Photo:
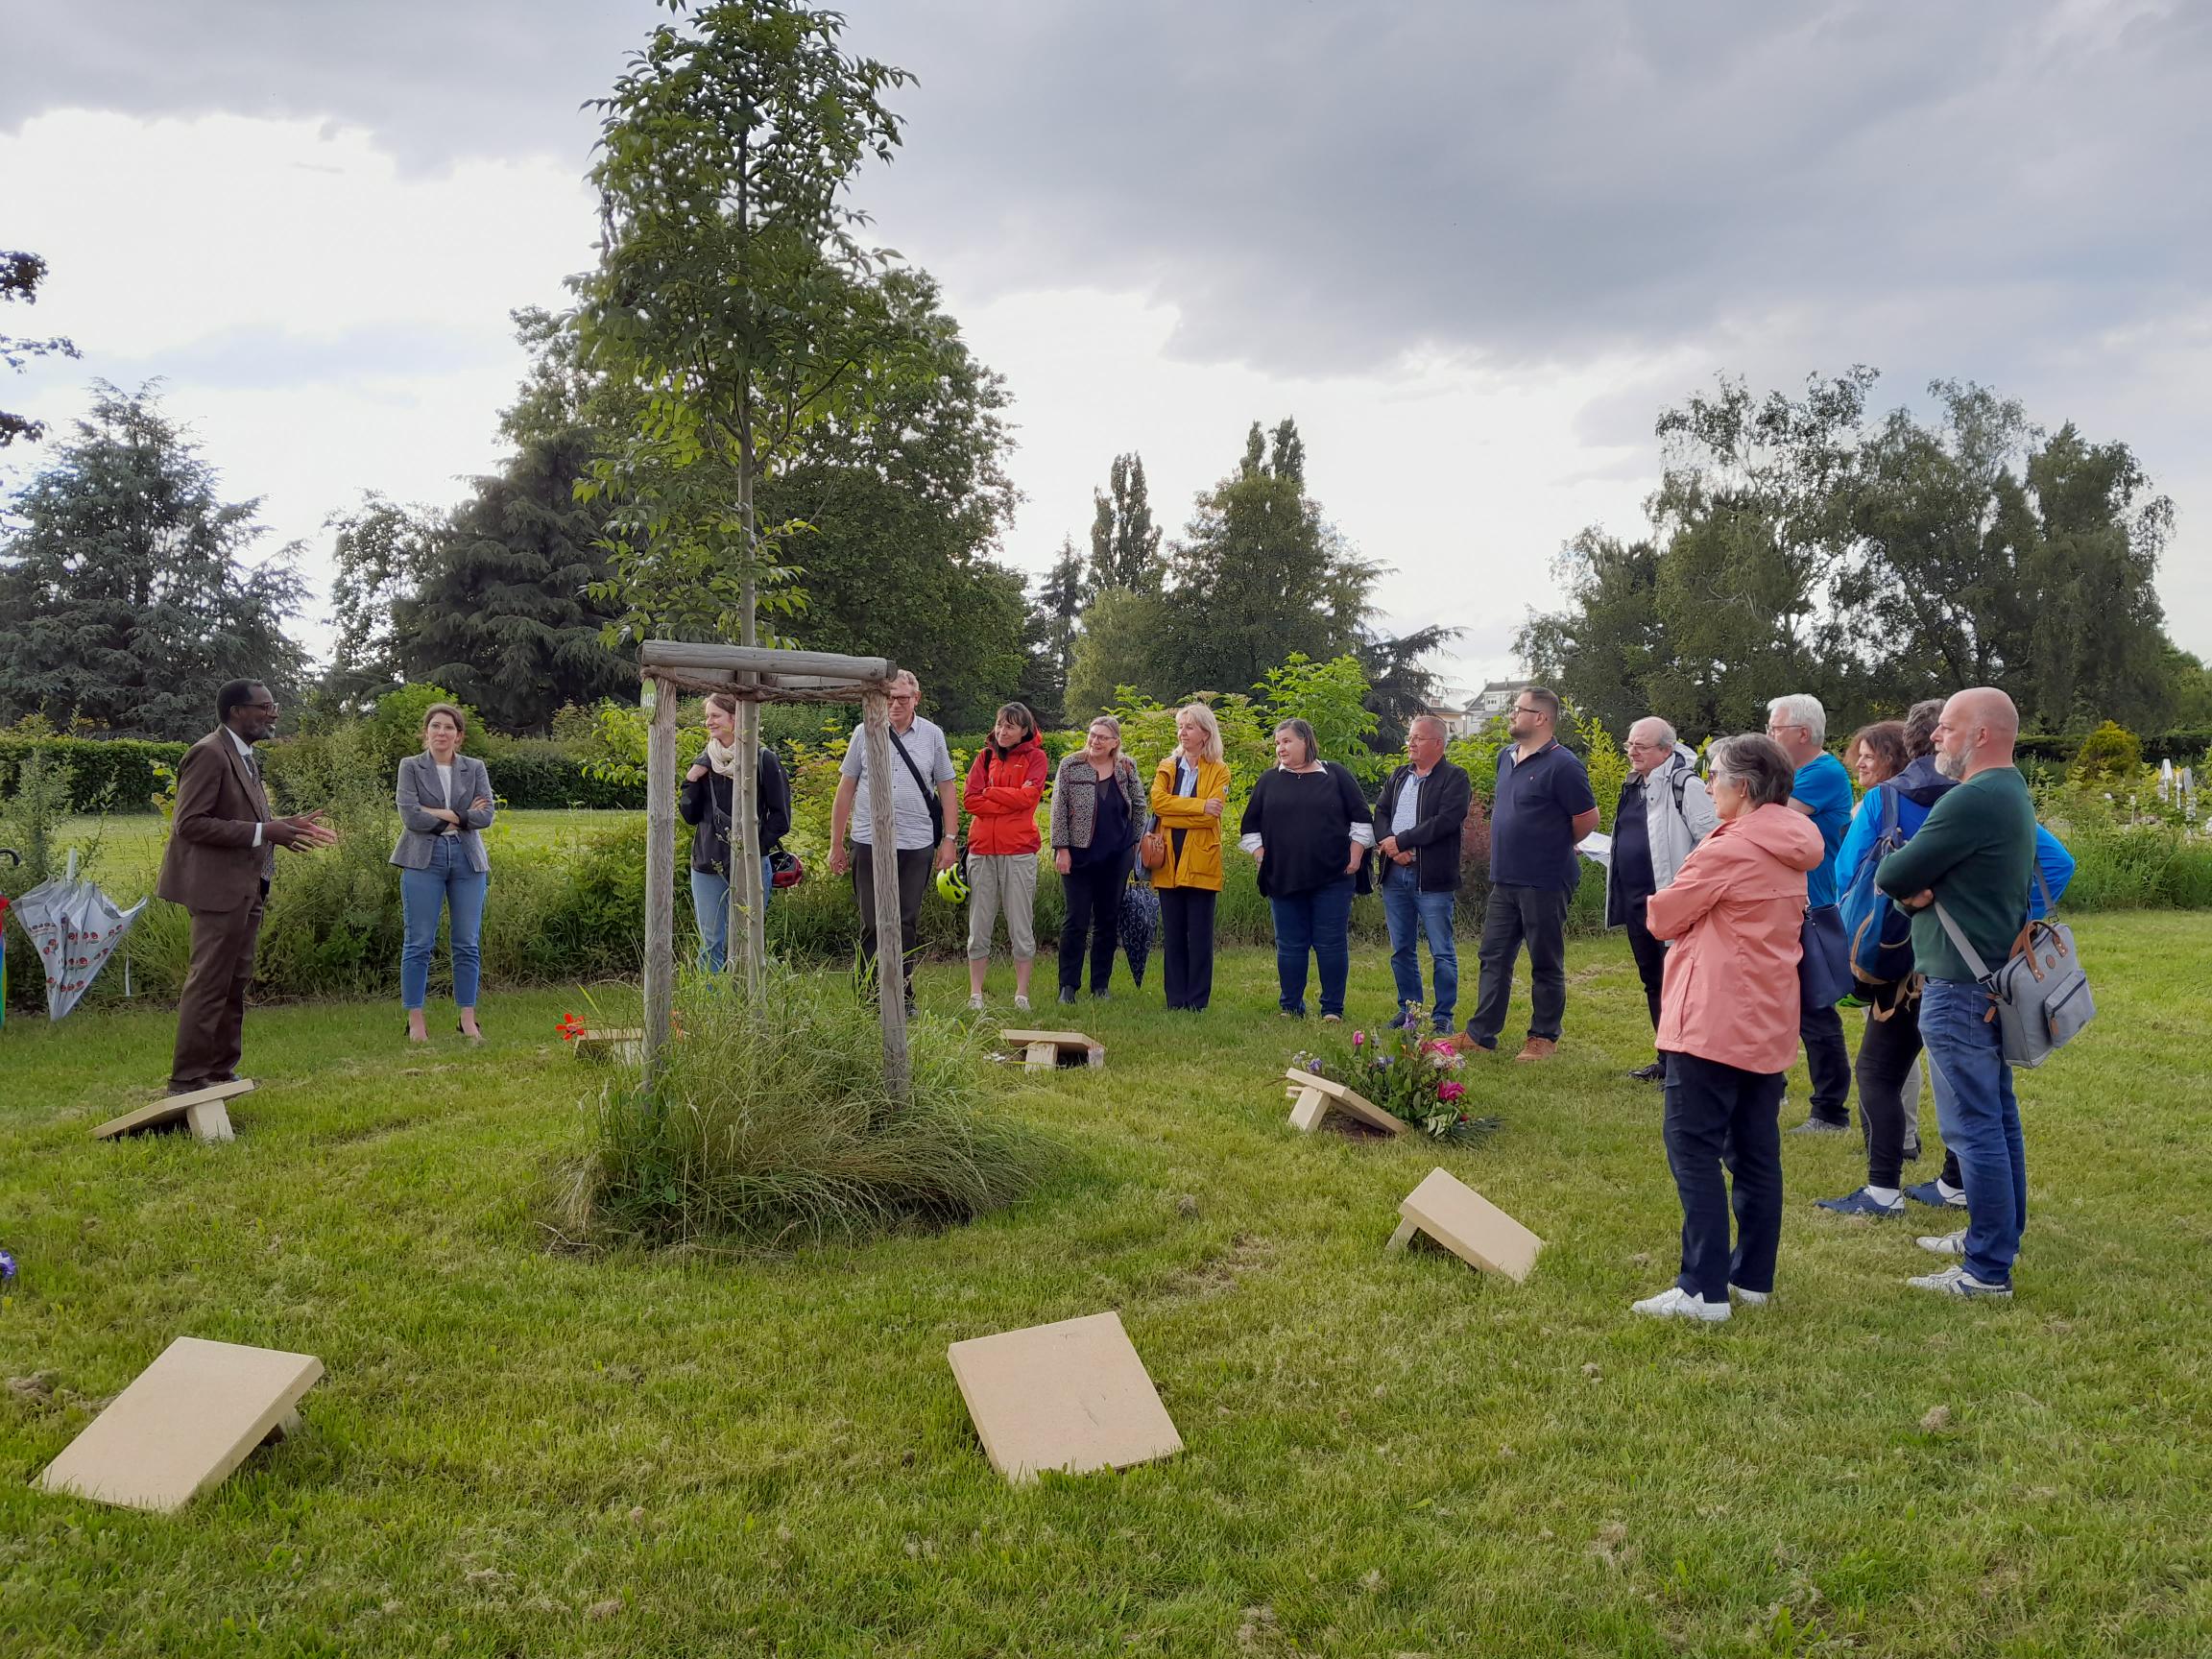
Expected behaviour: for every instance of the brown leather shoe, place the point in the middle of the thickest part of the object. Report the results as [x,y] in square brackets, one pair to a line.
[1537,1048]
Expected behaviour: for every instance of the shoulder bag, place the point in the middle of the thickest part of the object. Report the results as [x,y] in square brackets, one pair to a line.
[2040,995]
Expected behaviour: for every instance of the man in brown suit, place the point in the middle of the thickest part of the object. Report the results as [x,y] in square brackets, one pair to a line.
[221,843]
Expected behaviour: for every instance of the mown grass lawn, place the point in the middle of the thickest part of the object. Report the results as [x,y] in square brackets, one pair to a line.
[131,843]
[521,1452]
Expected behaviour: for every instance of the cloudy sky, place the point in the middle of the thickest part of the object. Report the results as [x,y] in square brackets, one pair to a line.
[1473,248]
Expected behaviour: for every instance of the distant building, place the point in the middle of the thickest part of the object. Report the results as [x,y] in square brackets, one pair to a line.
[1492,701]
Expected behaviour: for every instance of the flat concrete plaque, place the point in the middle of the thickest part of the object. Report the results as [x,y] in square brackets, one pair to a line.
[1468,1225]
[202,1112]
[1071,1396]
[1318,1097]
[189,1419]
[1043,1048]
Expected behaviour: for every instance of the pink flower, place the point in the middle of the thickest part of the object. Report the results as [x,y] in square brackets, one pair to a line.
[1359,1038]
[1450,1092]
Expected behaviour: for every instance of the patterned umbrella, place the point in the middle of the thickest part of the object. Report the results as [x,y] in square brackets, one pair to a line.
[76,928]
[1140,917]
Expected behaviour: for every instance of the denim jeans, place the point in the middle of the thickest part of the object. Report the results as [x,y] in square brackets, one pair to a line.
[449,885]
[1719,1115]
[1318,920]
[1981,1123]
[1413,913]
[710,905]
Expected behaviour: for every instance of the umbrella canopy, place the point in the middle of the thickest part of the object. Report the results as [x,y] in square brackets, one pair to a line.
[76,928]
[1140,918]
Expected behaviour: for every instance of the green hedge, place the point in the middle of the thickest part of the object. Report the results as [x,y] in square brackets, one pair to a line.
[107,773]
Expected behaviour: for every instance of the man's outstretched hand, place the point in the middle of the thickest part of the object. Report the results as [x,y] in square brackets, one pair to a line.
[302,833]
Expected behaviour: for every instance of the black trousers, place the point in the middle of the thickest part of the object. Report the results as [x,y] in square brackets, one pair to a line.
[1719,1116]
[1093,913]
[1886,1053]
[1538,915]
[1651,954]
[913,881]
[1828,1058]
[1186,945]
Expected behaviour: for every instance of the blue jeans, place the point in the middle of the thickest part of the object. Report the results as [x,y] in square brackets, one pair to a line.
[1413,913]
[1981,1123]
[450,885]
[711,905]
[1319,921]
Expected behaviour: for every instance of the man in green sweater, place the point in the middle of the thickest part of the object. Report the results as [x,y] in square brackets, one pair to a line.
[1976,857]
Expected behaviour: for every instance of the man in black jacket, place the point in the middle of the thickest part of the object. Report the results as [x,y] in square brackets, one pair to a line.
[1417,826]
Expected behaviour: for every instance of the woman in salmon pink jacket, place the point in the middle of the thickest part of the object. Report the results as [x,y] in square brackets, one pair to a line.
[1728,1024]
[1004,787]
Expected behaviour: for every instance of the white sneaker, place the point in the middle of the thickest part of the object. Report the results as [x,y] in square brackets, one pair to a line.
[1750,1298]
[1943,1243]
[975,1004]
[1022,1005]
[1957,1282]
[1676,1303]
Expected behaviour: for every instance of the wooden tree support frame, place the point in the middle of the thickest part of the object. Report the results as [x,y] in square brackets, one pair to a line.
[1042,1051]
[756,674]
[202,1112]
[1318,1098]
[1467,1224]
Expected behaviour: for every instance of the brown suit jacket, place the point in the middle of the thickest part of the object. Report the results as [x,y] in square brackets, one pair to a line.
[212,862]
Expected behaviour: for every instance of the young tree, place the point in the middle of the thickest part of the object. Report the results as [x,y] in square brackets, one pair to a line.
[379,551]
[126,588]
[20,275]
[733,302]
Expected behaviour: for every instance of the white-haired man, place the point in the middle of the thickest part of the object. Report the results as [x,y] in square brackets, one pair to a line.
[1665,811]
[926,815]
[1823,793]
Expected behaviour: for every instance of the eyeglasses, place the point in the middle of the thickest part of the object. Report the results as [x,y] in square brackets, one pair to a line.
[260,708]
[1523,709]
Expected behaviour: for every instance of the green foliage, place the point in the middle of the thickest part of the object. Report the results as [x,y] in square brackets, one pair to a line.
[104,774]
[1124,541]
[1114,650]
[20,275]
[2109,754]
[125,586]
[1603,756]
[771,1127]
[1331,697]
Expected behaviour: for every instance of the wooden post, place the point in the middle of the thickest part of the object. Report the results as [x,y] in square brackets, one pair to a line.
[659,871]
[747,899]
[890,941]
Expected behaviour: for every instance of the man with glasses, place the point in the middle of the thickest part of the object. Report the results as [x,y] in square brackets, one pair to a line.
[1823,793]
[222,845]
[925,816]
[1665,811]
[1541,811]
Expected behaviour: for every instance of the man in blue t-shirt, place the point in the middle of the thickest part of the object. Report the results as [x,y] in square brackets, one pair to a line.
[1823,793]
[1541,811]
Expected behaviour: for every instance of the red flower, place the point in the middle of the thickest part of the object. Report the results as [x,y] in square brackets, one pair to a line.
[570,1028]
[1450,1092]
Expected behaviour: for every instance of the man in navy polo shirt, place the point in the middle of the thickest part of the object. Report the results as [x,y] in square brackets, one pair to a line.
[1541,811]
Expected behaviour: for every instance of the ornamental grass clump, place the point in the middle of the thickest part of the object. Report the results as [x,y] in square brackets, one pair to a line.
[770,1127]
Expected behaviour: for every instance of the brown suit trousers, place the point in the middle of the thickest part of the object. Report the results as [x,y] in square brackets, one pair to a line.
[213,869]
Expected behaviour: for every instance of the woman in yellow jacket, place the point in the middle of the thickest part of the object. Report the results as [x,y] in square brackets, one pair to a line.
[1189,792]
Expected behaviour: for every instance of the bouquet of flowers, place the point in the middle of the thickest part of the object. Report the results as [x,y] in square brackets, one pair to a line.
[1412,1075]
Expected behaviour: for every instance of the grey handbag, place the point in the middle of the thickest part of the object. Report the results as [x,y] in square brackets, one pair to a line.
[2041,994]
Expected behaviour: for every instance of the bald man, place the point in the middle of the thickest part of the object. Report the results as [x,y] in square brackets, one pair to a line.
[1975,856]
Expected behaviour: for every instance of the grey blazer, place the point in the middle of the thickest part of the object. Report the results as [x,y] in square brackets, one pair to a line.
[419,788]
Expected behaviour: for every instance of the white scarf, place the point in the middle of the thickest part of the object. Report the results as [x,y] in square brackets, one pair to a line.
[722,757]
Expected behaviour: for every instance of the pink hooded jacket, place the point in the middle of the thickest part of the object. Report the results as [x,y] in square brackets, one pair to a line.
[1735,913]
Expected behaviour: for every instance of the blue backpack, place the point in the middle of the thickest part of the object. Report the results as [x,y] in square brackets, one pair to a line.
[1879,931]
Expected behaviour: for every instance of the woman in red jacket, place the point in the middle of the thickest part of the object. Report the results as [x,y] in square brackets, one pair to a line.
[1728,1024]
[1004,789]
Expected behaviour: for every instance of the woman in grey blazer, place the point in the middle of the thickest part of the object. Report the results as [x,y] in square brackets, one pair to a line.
[444,799]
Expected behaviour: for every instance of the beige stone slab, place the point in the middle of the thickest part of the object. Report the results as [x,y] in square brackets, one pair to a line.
[186,1422]
[612,1045]
[1468,1225]
[1335,1097]
[1072,1396]
[202,1110]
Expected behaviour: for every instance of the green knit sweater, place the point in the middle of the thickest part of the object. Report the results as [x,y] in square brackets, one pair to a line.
[1977,851]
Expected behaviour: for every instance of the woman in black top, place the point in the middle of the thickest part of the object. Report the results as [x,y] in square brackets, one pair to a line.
[709,788]
[1308,825]
[1098,814]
